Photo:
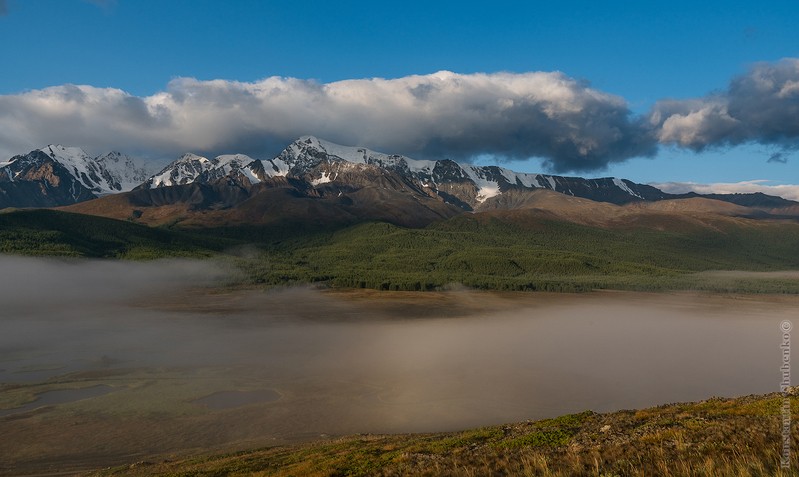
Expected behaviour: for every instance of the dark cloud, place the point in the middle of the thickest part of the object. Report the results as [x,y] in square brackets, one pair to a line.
[3,7]
[779,157]
[761,106]
[571,127]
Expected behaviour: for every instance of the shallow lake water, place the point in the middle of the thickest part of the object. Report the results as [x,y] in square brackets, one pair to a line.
[196,368]
[60,396]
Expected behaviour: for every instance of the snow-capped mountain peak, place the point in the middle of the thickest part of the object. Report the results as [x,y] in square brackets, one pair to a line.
[184,170]
[472,184]
[190,168]
[70,154]
[110,173]
[57,175]
[309,151]
[323,164]
[121,172]
[232,161]
[73,158]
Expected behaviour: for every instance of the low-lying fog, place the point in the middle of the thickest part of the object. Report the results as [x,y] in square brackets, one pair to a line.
[333,363]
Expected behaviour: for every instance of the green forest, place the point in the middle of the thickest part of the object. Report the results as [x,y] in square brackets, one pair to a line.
[471,251]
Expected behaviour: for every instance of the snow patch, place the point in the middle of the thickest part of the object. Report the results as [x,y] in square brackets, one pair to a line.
[621,185]
[527,180]
[322,180]
[417,166]
[248,173]
[282,167]
[485,188]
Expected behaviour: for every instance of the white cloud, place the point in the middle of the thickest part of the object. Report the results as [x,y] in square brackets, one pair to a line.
[516,116]
[546,115]
[696,126]
[786,191]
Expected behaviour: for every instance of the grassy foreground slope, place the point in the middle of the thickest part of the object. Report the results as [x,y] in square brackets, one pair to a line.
[717,437]
[481,251]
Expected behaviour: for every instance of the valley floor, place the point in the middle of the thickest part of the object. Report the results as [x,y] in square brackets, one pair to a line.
[141,373]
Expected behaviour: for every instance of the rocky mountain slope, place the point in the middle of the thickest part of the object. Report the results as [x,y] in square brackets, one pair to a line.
[467,186]
[316,181]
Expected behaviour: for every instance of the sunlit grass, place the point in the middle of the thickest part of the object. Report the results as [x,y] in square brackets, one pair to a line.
[718,437]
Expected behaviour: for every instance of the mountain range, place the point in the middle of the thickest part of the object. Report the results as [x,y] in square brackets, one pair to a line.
[317,181]
[57,175]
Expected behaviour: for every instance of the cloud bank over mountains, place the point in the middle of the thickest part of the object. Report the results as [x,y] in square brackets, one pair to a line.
[548,115]
[761,106]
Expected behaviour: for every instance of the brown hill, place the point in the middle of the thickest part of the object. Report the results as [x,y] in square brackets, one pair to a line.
[697,205]
[530,207]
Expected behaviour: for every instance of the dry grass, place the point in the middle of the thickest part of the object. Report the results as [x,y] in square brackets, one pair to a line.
[717,437]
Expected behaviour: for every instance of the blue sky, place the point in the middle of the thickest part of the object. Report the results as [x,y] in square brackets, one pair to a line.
[642,52]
